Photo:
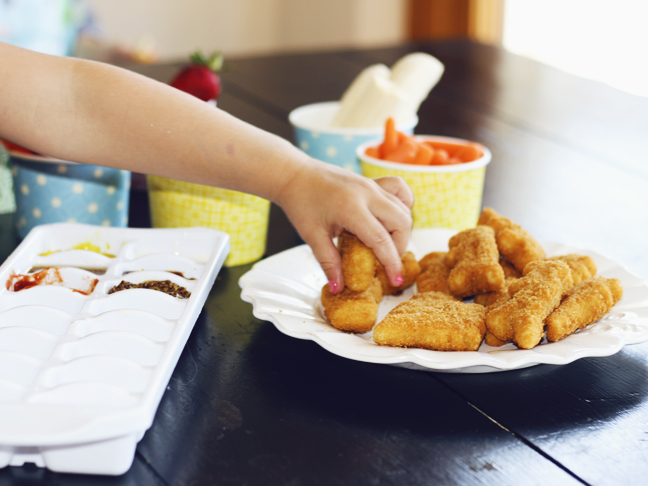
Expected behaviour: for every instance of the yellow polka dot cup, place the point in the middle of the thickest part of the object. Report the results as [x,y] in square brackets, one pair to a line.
[314,135]
[177,204]
[55,191]
[445,196]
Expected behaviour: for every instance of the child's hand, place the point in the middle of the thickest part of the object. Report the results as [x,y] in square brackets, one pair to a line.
[321,200]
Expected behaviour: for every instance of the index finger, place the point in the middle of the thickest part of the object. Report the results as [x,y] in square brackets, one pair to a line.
[377,237]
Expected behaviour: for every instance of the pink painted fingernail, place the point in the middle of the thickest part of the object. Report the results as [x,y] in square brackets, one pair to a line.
[333,286]
[399,280]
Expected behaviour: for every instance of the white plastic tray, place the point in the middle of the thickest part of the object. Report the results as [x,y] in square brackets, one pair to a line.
[82,376]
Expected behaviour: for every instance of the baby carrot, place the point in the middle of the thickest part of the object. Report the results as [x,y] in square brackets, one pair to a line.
[450,148]
[468,153]
[373,152]
[440,157]
[405,152]
[424,155]
[391,138]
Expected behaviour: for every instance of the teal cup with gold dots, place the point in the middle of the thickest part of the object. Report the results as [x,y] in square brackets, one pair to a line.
[314,134]
[54,191]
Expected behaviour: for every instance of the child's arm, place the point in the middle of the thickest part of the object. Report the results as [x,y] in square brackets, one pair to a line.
[99,114]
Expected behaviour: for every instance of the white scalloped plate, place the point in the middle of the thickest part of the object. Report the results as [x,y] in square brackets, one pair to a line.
[285,290]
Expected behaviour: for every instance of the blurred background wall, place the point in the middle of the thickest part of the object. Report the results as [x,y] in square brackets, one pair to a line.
[248,27]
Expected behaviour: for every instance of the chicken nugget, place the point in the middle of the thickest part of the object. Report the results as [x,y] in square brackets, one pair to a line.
[509,269]
[433,295]
[513,242]
[358,262]
[533,297]
[474,259]
[434,273]
[494,298]
[352,311]
[411,270]
[587,303]
[582,266]
[491,340]
[433,323]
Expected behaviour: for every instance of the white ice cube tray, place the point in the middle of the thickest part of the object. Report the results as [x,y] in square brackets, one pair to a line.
[81,376]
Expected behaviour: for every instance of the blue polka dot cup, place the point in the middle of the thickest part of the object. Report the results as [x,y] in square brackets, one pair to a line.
[315,136]
[53,191]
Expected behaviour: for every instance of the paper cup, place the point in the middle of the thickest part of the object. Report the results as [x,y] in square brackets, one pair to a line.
[177,204]
[54,191]
[445,196]
[7,200]
[315,136]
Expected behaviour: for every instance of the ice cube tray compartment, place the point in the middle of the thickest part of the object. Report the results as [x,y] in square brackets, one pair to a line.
[157,302]
[46,319]
[84,373]
[118,372]
[140,277]
[121,344]
[18,369]
[28,341]
[10,392]
[142,323]
[94,394]
[80,258]
[189,269]
[195,250]
[55,297]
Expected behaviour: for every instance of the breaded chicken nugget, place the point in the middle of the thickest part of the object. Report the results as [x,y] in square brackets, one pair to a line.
[514,243]
[433,323]
[587,303]
[582,266]
[494,298]
[358,262]
[509,269]
[474,259]
[491,340]
[411,270]
[352,311]
[533,298]
[434,273]
[433,295]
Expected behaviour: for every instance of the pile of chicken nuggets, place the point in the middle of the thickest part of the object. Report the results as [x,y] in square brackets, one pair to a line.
[520,296]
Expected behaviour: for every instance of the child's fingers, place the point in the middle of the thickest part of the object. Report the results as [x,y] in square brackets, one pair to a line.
[329,259]
[376,236]
[397,187]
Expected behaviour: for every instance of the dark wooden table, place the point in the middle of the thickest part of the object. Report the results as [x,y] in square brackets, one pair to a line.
[248,405]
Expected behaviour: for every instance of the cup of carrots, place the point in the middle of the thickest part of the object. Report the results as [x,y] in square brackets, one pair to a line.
[446,174]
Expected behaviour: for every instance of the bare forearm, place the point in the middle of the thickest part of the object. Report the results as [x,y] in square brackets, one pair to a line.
[98,114]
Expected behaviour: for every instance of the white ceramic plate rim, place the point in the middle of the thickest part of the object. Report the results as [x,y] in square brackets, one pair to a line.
[285,289]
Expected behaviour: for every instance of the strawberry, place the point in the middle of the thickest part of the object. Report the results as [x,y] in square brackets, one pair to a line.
[200,78]
[12,147]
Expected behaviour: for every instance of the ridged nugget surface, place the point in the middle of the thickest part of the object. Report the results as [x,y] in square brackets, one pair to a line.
[474,260]
[411,270]
[434,273]
[494,298]
[439,324]
[582,266]
[533,297]
[514,242]
[587,303]
[352,311]
[358,262]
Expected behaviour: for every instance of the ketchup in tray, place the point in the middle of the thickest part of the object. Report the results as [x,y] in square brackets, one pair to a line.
[47,276]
